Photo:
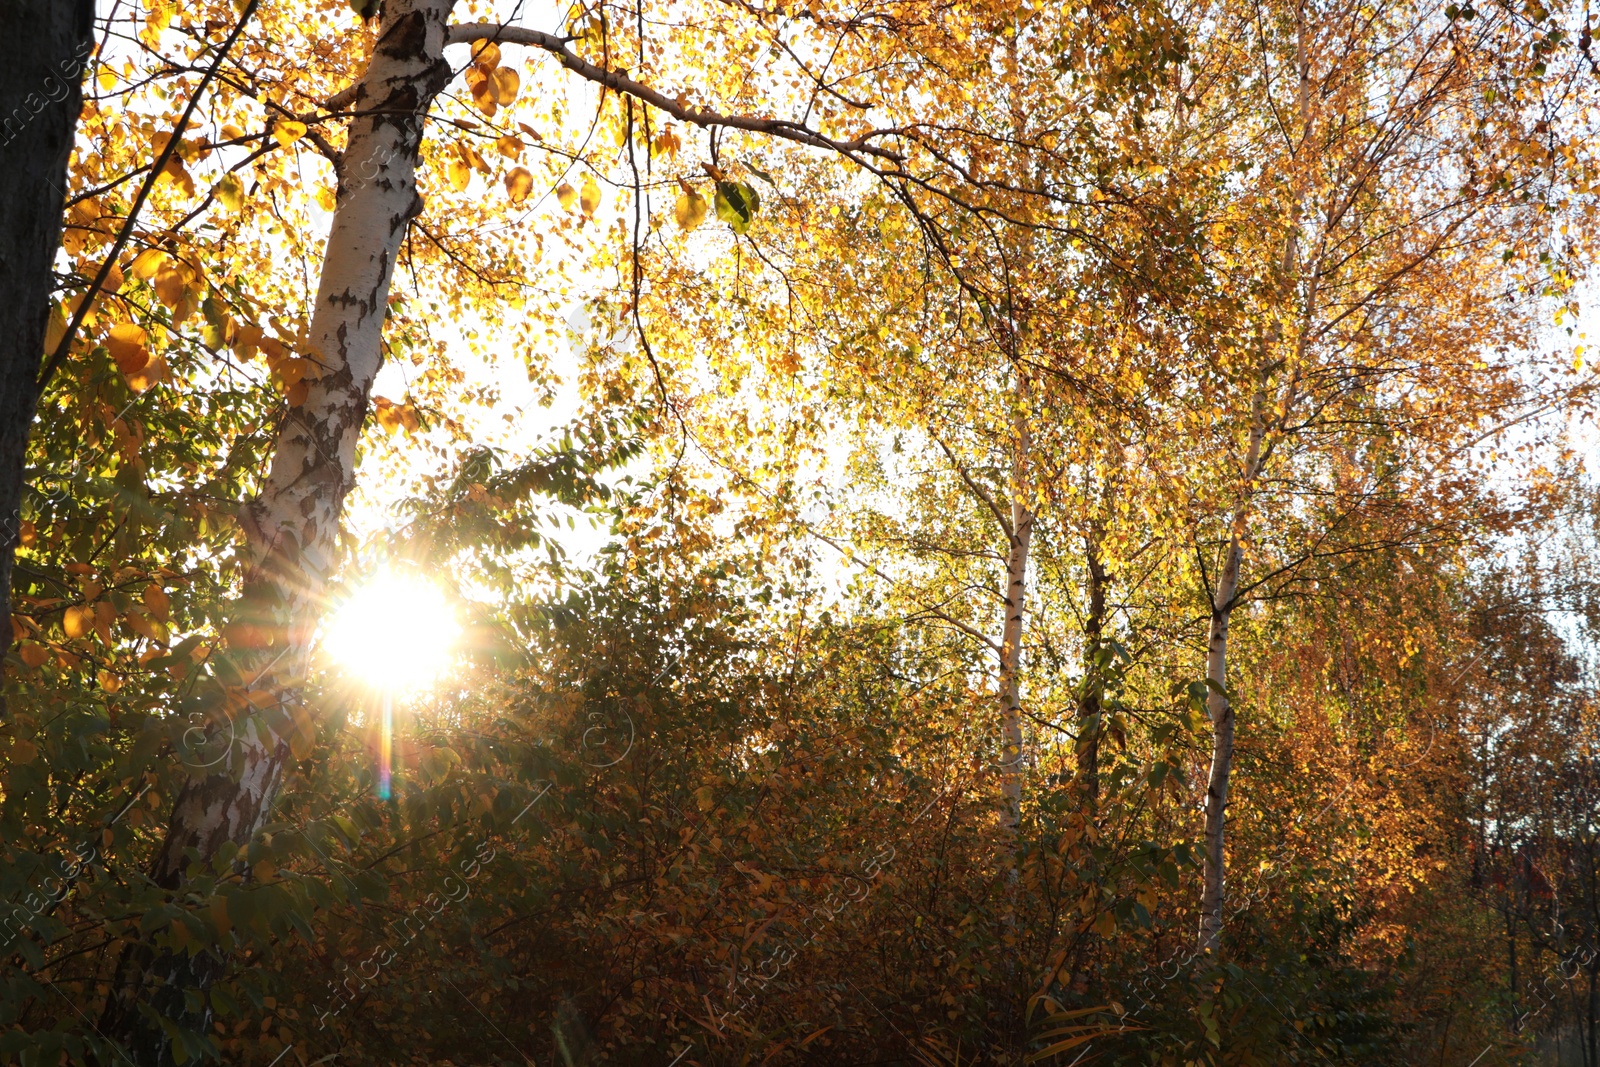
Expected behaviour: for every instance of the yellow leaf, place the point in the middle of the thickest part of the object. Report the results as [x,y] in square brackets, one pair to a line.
[690,210]
[510,147]
[667,142]
[474,160]
[33,654]
[287,131]
[486,56]
[107,79]
[459,173]
[327,199]
[519,183]
[77,621]
[179,175]
[247,339]
[168,285]
[230,190]
[146,263]
[230,132]
[591,195]
[506,83]
[109,682]
[159,18]
[127,345]
[567,195]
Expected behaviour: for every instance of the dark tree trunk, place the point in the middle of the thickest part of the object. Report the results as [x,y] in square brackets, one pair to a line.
[44,48]
[1592,1053]
[1089,711]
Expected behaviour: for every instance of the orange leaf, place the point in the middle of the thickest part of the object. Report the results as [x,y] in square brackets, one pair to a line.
[127,345]
[486,56]
[519,183]
[153,373]
[505,84]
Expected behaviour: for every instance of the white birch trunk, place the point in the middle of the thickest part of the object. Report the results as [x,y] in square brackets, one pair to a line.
[1021,538]
[293,523]
[1213,896]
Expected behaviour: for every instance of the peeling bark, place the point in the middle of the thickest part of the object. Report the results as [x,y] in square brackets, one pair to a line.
[292,525]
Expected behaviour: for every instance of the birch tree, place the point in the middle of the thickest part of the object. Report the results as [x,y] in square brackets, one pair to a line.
[1387,204]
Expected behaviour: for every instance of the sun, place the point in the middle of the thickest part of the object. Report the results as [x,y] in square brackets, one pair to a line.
[395,633]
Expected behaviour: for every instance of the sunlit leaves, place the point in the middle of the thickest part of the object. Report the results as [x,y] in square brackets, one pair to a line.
[491,85]
[394,417]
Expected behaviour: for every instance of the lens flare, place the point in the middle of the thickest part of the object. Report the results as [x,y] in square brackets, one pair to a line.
[395,633]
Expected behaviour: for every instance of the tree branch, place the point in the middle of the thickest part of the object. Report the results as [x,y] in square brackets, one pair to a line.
[557,47]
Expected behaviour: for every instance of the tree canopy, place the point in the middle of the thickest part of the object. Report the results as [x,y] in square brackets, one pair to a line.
[716,532]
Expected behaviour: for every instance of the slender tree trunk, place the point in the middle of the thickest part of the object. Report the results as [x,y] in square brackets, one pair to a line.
[1021,537]
[292,525]
[1592,1052]
[44,49]
[1213,897]
[1089,710]
[1511,959]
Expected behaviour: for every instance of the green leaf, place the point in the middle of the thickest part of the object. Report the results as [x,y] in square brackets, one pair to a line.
[737,205]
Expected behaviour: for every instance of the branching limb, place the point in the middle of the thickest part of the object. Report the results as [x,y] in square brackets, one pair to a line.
[620,82]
